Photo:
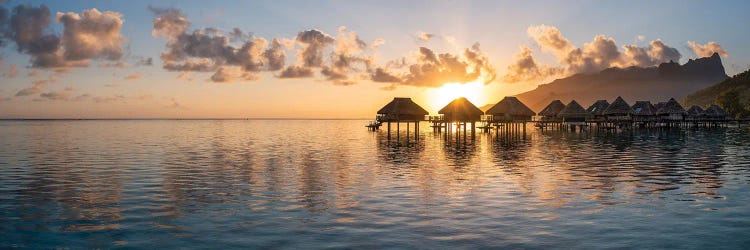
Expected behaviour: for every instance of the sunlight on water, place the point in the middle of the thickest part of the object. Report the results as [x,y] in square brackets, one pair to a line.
[333,184]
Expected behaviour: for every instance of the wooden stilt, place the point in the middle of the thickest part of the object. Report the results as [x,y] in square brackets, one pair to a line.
[389,130]
[398,135]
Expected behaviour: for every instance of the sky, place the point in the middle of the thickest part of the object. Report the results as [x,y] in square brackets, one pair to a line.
[331,59]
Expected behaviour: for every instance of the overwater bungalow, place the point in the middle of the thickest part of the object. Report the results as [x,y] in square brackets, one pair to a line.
[511,114]
[596,110]
[671,112]
[510,109]
[550,112]
[461,111]
[716,113]
[659,105]
[644,113]
[618,111]
[401,110]
[573,115]
[695,113]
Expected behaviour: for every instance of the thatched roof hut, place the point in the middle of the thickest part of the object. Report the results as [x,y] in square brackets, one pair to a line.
[510,109]
[461,110]
[672,107]
[716,112]
[573,113]
[618,108]
[643,108]
[659,105]
[695,112]
[401,109]
[598,108]
[573,110]
[552,109]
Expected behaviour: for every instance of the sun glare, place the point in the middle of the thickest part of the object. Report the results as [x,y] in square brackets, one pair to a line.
[440,97]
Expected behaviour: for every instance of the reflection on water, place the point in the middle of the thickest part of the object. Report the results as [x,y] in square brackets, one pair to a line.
[333,184]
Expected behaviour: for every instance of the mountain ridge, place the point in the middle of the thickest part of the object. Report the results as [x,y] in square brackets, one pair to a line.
[733,94]
[655,84]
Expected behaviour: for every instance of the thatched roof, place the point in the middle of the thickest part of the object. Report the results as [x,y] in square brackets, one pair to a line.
[659,105]
[598,107]
[695,111]
[552,109]
[618,107]
[671,107]
[715,111]
[573,109]
[510,106]
[402,106]
[643,108]
[461,109]
[486,107]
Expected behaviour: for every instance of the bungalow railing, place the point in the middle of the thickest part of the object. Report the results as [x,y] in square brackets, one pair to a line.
[435,118]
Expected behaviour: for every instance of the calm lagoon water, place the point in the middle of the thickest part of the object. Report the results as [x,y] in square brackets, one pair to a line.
[333,184]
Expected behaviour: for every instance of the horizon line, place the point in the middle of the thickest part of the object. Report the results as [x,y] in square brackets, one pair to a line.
[144,119]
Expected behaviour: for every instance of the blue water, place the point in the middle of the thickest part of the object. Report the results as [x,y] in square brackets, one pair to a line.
[333,184]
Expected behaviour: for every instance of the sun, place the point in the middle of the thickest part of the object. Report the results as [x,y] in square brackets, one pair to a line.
[473,91]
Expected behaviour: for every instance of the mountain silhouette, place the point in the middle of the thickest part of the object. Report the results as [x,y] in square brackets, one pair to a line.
[655,84]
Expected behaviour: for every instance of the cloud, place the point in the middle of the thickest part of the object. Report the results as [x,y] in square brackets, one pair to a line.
[708,49]
[133,76]
[430,69]
[657,52]
[36,87]
[313,42]
[346,62]
[525,68]
[209,50]
[144,61]
[550,39]
[434,70]
[66,96]
[343,59]
[382,75]
[600,53]
[276,55]
[107,99]
[295,71]
[424,36]
[187,75]
[89,36]
[232,74]
[92,35]
[118,64]
[169,22]
[348,59]
[3,26]
[375,44]
[55,95]
[27,26]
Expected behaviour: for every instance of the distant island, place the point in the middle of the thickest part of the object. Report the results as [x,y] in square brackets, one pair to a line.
[633,83]
[733,94]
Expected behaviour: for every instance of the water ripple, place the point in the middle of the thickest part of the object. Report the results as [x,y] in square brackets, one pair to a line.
[333,184]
